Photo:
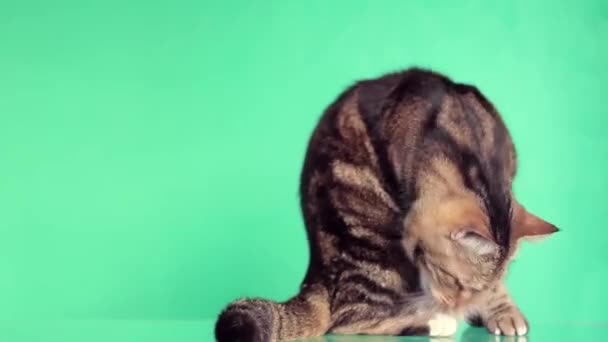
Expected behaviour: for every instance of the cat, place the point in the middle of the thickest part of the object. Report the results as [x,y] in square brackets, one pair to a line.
[406,193]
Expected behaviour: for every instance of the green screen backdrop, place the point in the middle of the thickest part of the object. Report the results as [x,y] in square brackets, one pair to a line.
[151,150]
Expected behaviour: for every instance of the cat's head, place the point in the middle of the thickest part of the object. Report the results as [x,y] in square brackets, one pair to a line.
[457,252]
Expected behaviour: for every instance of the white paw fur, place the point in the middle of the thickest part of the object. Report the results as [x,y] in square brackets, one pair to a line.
[442,325]
[508,324]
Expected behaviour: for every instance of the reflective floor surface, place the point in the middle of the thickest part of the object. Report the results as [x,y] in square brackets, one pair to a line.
[177,331]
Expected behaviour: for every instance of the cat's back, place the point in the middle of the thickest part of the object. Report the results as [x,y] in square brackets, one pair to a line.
[359,127]
[349,164]
[384,126]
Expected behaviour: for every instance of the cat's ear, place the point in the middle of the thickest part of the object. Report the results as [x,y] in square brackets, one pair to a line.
[468,224]
[528,226]
[477,238]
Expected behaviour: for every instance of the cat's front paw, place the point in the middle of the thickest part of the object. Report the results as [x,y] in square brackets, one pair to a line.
[442,325]
[510,323]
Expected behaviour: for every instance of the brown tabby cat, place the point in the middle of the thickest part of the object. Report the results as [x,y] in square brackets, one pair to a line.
[411,219]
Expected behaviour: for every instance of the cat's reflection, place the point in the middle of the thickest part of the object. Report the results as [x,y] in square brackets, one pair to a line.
[360,338]
[471,334]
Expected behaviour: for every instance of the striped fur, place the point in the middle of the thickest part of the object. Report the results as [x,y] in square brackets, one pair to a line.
[406,192]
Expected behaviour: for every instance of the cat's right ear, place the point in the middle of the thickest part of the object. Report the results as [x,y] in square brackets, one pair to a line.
[528,226]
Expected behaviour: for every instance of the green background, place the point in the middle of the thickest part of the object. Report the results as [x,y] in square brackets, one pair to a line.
[151,150]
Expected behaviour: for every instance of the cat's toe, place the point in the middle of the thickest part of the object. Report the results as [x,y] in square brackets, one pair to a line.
[509,324]
[442,325]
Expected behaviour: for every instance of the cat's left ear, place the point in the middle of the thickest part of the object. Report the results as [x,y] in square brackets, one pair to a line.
[528,226]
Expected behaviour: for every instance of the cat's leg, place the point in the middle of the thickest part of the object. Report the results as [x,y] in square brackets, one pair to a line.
[499,314]
[370,319]
[440,325]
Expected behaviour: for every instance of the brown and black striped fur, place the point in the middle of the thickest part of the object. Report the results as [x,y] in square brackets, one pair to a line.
[406,192]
